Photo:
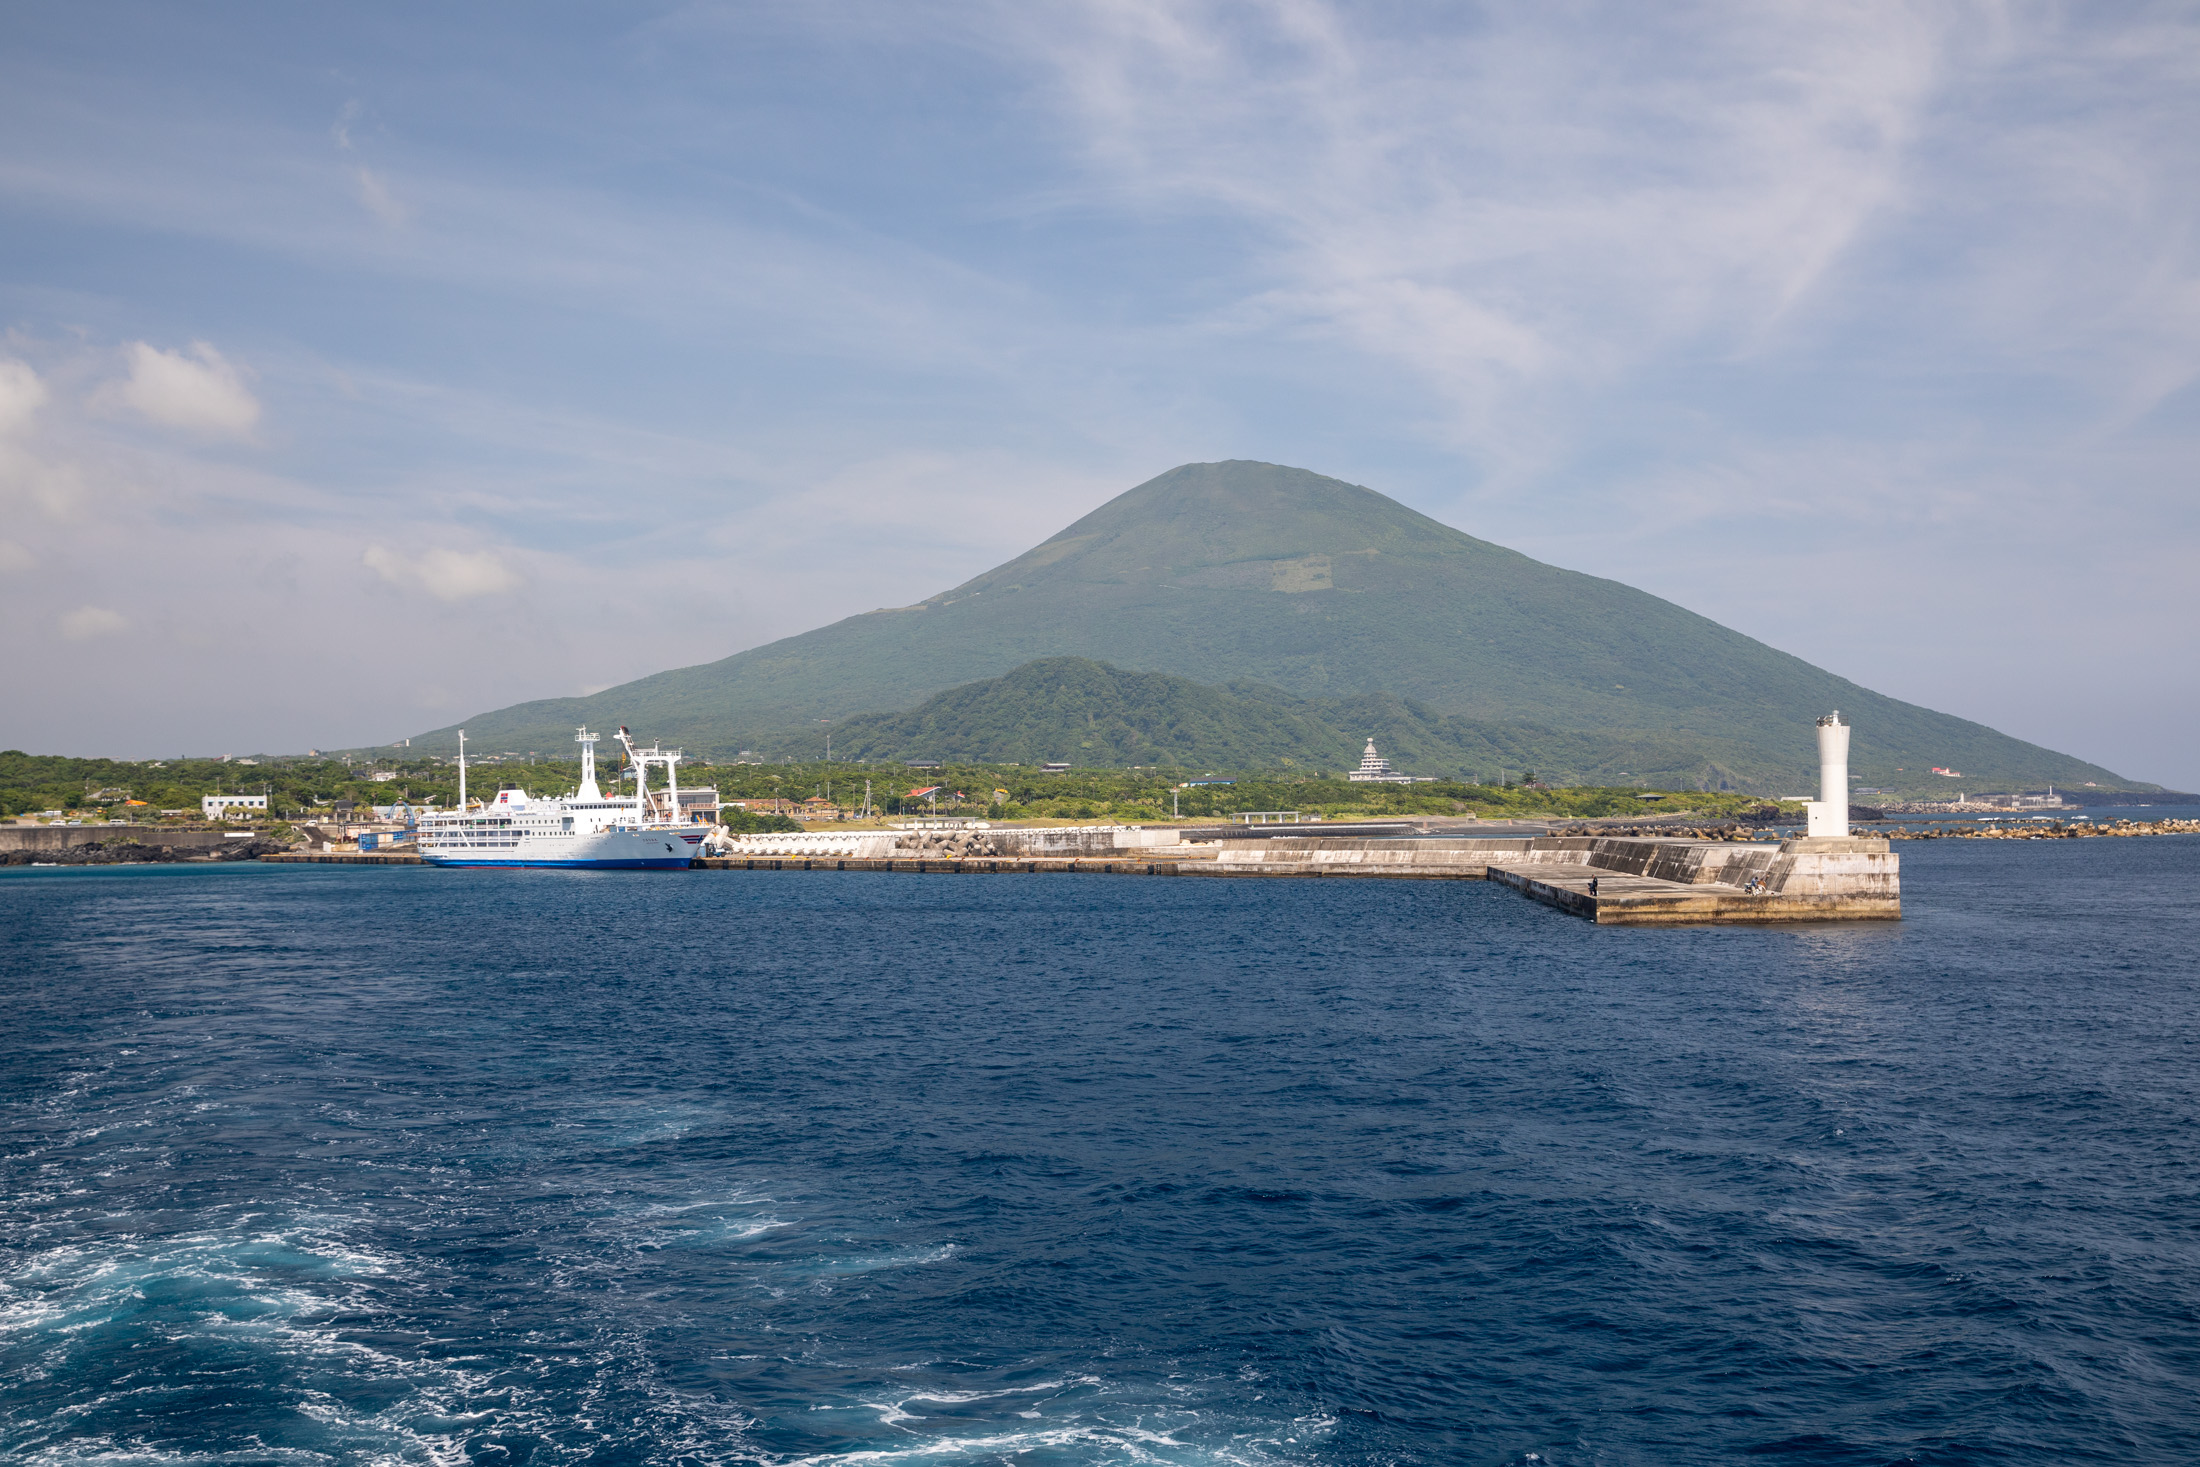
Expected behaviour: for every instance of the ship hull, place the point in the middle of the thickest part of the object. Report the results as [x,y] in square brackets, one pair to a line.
[605,850]
[667,864]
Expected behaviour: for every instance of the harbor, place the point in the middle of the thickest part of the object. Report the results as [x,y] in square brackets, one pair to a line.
[1624,872]
[1665,871]
[1826,874]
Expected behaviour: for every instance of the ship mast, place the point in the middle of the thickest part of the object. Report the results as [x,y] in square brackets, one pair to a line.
[587,790]
[462,771]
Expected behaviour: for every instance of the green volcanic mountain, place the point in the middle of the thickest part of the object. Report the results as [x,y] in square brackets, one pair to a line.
[1090,714]
[1247,572]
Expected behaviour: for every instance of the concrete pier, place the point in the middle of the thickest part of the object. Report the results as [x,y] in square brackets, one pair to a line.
[341,858]
[1625,881]
[1608,880]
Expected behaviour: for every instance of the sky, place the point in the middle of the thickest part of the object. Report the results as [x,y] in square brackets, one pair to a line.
[365,367]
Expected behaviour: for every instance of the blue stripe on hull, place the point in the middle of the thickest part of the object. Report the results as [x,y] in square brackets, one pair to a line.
[662,863]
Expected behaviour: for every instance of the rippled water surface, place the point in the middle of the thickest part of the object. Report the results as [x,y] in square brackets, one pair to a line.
[307,1165]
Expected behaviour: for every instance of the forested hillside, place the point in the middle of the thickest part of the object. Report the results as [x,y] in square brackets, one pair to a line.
[1247,572]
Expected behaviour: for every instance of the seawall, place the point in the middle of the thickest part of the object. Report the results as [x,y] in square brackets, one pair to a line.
[1609,880]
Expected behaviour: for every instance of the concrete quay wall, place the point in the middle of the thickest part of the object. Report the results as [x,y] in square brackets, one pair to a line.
[1606,881]
[1802,867]
[340,858]
[1466,859]
[67,837]
[1623,901]
[1124,865]
[1080,840]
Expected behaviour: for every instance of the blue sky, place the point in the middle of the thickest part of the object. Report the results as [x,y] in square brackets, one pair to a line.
[364,367]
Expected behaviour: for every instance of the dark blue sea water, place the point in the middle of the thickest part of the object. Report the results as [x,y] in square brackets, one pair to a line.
[330,1165]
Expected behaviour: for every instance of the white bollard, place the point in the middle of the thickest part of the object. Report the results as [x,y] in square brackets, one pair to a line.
[1829,813]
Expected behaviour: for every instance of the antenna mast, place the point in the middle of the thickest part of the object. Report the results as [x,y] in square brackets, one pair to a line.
[587,741]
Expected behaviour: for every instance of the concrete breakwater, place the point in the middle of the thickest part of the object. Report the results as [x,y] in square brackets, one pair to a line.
[1609,880]
[1614,880]
[1623,880]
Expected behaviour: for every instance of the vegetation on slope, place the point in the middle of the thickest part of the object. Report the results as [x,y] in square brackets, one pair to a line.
[299,788]
[1087,713]
[1239,571]
[142,790]
[150,790]
[1160,795]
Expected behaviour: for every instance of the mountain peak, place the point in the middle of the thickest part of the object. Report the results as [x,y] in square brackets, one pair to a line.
[1223,573]
[1237,524]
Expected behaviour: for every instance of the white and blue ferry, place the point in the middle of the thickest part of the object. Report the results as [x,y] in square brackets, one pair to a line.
[650,830]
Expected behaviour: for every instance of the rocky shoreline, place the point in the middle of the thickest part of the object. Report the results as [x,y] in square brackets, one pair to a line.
[2028,830]
[2052,830]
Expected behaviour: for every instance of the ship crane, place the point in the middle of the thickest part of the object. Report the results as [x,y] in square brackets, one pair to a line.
[645,801]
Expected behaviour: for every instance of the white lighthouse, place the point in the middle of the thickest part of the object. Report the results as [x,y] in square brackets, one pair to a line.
[1829,813]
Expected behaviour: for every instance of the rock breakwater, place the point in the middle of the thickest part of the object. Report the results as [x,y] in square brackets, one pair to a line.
[2028,830]
[2050,830]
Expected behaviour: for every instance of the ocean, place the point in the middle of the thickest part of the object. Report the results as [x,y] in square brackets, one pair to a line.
[306,1165]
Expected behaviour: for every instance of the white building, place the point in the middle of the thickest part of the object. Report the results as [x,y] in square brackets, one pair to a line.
[223,807]
[1375,769]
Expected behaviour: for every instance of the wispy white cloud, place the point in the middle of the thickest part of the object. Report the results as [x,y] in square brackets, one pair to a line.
[89,622]
[29,479]
[375,195]
[446,574]
[22,394]
[1499,207]
[201,391]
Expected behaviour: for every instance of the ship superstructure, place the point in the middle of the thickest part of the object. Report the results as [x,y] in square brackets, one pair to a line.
[649,830]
